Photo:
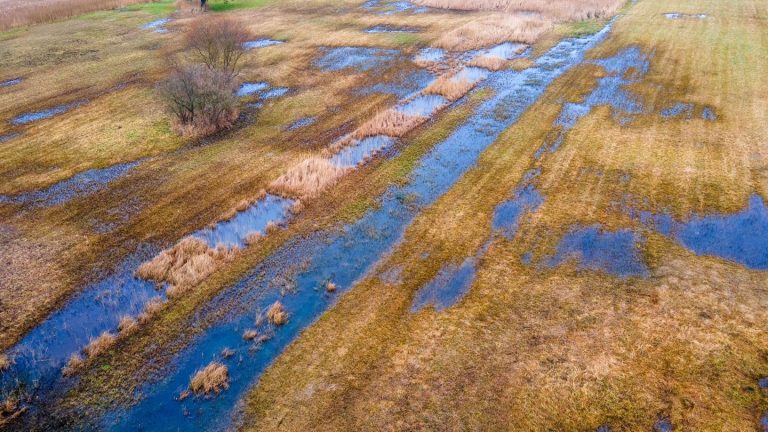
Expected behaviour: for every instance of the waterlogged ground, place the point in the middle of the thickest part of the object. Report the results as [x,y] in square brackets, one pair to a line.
[579,243]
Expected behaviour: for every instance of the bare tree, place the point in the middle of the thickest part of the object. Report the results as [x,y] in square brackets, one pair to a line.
[218,43]
[202,100]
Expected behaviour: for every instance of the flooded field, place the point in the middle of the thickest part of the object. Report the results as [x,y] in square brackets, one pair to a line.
[385,215]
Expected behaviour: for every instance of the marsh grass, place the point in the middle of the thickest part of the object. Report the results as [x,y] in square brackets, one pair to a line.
[5,363]
[214,378]
[307,179]
[16,13]
[100,344]
[276,314]
[561,10]
[73,366]
[449,87]
[489,62]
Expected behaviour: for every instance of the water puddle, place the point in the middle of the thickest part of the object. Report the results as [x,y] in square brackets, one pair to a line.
[678,16]
[507,216]
[78,186]
[740,237]
[450,285]
[296,273]
[404,84]
[10,82]
[261,43]
[275,93]
[353,155]
[707,113]
[663,425]
[423,106]
[470,74]
[46,114]
[390,29]
[157,25]
[249,88]
[506,51]
[361,59]
[383,7]
[302,123]
[39,357]
[430,55]
[678,110]
[596,249]
[8,137]
[253,220]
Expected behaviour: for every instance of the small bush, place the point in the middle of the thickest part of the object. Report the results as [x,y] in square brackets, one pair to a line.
[276,314]
[212,379]
[217,43]
[201,100]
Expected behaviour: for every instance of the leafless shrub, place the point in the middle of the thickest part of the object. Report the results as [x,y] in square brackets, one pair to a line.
[99,344]
[73,365]
[201,100]
[217,42]
[212,379]
[308,178]
[276,314]
[449,87]
[184,265]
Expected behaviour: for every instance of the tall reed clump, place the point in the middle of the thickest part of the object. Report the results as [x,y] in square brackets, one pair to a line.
[201,96]
[494,29]
[308,178]
[489,62]
[214,378]
[449,87]
[389,122]
[184,265]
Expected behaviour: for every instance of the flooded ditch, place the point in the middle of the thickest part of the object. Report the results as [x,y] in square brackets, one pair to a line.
[297,273]
[47,113]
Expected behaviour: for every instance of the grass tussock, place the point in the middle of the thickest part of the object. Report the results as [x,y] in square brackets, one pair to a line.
[250,334]
[127,325]
[449,88]
[560,10]
[17,13]
[389,122]
[489,62]
[214,378]
[494,29]
[276,314]
[5,362]
[330,287]
[308,178]
[184,265]
[152,308]
[100,344]
[73,365]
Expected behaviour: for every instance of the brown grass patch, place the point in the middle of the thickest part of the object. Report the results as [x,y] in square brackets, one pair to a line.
[560,10]
[489,62]
[214,378]
[250,334]
[494,29]
[308,178]
[184,265]
[330,286]
[152,308]
[127,325]
[389,122]
[5,362]
[18,13]
[73,365]
[100,344]
[253,238]
[449,88]
[276,314]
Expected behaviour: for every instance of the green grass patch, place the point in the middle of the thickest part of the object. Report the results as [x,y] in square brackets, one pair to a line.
[161,7]
[583,28]
[226,5]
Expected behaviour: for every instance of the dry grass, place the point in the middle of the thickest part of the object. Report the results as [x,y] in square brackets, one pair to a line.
[276,314]
[127,325]
[389,122]
[214,378]
[5,362]
[307,179]
[494,29]
[16,13]
[100,344]
[561,10]
[152,308]
[242,206]
[489,62]
[184,265]
[73,365]
[250,334]
[253,238]
[450,88]
[330,286]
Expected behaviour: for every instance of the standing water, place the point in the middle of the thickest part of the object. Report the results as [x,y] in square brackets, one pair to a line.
[304,266]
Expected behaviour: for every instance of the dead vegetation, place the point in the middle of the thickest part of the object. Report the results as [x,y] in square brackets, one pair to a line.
[73,365]
[127,325]
[560,10]
[184,265]
[250,334]
[390,122]
[152,308]
[489,62]
[100,344]
[449,87]
[494,29]
[276,314]
[214,378]
[5,363]
[217,42]
[17,13]
[308,178]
